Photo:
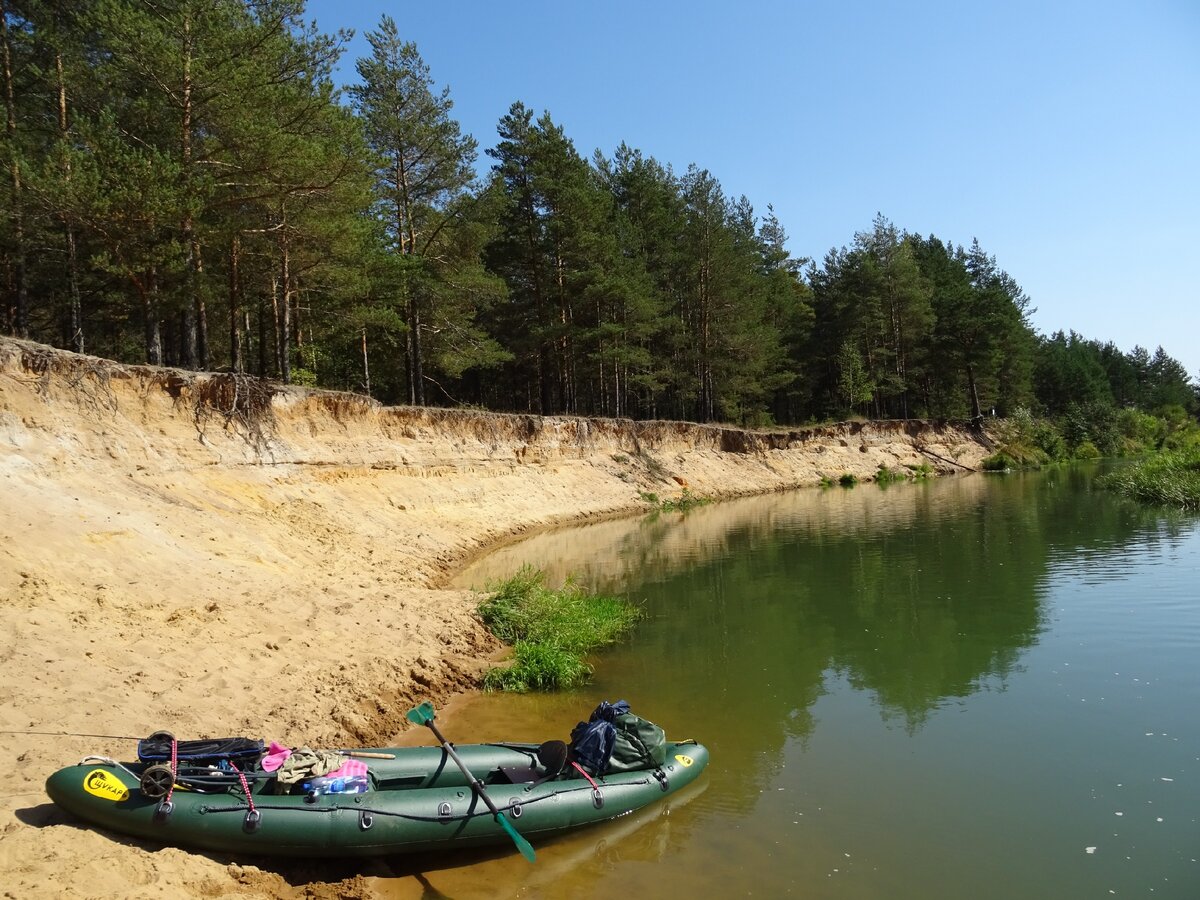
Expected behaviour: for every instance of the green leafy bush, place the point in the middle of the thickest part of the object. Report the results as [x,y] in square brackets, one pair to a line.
[998,462]
[848,479]
[1025,442]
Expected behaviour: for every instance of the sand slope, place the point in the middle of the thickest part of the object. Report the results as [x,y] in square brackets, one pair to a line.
[213,556]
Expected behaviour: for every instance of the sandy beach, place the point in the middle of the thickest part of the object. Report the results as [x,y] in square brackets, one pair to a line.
[202,554]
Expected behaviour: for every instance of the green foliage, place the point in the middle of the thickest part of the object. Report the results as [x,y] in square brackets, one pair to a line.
[1072,371]
[1087,450]
[538,667]
[1025,442]
[1181,431]
[999,462]
[551,630]
[921,471]
[1091,423]
[1171,478]
[1139,432]
[855,387]
[886,476]
[206,200]
[848,479]
[685,501]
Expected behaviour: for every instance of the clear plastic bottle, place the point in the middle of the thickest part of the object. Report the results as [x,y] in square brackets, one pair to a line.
[349,784]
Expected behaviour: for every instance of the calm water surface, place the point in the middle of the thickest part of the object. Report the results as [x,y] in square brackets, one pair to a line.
[983,687]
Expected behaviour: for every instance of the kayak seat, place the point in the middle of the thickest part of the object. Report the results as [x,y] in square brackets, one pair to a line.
[551,760]
[553,757]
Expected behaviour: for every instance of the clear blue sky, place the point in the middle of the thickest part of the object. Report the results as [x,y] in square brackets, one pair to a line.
[1065,136]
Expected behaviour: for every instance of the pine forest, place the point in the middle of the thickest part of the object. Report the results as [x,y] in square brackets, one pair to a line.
[184,185]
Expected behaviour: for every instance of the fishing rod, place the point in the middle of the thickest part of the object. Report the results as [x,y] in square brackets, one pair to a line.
[114,737]
[360,754]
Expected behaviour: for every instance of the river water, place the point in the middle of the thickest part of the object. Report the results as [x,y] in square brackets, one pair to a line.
[984,687]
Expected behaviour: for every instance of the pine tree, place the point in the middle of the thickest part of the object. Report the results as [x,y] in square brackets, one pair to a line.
[424,177]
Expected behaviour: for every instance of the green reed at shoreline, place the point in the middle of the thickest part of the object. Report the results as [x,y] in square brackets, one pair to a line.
[551,630]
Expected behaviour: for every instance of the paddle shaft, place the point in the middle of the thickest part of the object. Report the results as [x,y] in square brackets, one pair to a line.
[423,715]
[476,784]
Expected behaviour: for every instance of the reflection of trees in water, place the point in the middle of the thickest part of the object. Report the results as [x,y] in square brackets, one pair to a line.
[922,595]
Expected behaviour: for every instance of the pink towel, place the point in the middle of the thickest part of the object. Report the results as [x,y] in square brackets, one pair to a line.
[348,769]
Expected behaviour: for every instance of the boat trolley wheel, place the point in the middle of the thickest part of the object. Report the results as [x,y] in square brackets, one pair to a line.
[157,781]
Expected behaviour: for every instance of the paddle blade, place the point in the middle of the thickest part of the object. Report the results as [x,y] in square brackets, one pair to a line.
[523,845]
[421,715]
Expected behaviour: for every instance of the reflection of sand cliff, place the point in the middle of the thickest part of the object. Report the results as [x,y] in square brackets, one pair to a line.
[601,554]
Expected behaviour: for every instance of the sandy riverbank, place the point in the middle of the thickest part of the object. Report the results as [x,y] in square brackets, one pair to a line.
[206,555]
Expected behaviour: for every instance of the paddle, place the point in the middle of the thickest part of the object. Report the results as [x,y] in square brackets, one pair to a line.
[423,715]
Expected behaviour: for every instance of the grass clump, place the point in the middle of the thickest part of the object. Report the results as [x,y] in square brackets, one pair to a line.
[848,479]
[685,501]
[886,476]
[551,631]
[1168,479]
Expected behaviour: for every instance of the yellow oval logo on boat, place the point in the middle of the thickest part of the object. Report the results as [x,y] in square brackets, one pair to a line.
[684,761]
[105,785]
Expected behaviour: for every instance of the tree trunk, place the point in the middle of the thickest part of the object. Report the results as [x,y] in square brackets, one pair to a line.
[366,362]
[974,390]
[236,360]
[75,314]
[416,366]
[262,332]
[275,320]
[195,321]
[153,330]
[20,287]
[285,316]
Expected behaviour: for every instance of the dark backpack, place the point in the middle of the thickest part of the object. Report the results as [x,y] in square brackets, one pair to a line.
[615,740]
[639,744]
[592,741]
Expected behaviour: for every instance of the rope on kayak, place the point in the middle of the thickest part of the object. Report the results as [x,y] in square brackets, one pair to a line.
[167,805]
[597,794]
[253,817]
[109,761]
[414,817]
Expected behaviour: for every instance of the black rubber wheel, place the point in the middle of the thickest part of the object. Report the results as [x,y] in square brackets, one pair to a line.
[157,781]
[161,736]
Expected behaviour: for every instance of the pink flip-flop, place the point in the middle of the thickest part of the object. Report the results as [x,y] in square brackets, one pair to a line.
[276,754]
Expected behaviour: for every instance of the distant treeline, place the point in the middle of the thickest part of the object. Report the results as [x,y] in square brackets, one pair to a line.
[183,185]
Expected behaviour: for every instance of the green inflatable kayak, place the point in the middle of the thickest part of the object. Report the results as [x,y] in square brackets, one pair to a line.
[409,799]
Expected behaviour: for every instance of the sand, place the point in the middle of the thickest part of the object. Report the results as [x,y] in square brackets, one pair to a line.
[200,554]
